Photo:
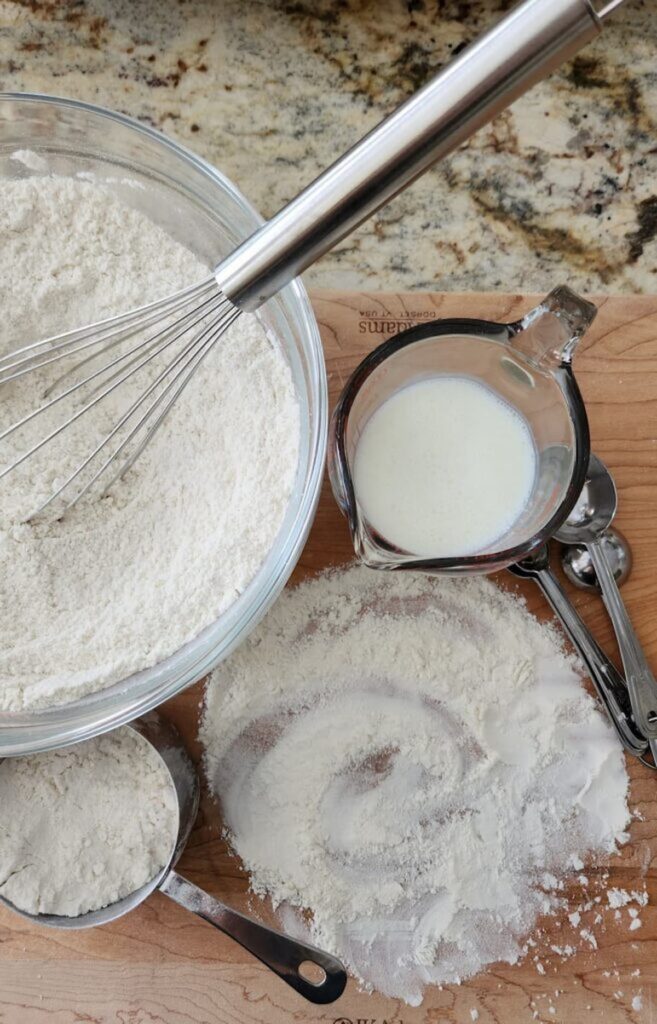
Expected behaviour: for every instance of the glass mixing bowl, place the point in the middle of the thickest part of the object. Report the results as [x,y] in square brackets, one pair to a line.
[203,210]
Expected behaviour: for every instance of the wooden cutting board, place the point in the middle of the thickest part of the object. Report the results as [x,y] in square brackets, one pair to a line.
[160,964]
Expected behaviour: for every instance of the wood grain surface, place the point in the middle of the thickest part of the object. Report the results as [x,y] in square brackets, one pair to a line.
[160,964]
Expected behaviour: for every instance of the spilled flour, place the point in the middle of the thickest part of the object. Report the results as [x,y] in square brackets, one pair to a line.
[122,582]
[410,759]
[85,826]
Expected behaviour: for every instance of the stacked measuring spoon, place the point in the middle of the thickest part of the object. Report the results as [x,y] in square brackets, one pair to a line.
[595,556]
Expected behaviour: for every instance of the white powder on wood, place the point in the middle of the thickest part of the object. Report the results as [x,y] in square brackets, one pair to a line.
[125,581]
[83,827]
[413,760]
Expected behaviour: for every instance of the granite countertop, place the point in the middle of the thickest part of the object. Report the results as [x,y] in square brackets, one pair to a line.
[563,187]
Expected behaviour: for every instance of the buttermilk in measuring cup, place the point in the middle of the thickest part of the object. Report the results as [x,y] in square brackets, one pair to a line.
[444,467]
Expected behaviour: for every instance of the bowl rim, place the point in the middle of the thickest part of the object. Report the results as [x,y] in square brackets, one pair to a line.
[27,732]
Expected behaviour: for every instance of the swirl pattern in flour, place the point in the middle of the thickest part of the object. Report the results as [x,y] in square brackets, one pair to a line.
[405,758]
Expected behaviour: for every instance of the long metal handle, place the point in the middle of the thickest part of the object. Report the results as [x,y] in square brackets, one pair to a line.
[283,955]
[519,51]
[609,683]
[640,680]
[606,7]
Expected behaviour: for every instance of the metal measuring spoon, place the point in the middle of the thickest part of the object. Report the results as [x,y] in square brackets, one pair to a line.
[608,682]
[586,524]
[285,956]
[577,563]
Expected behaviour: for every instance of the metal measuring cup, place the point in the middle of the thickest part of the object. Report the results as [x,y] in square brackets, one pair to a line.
[286,957]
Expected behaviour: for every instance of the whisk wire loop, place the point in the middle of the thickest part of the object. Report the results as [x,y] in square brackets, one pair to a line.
[194,318]
[195,360]
[186,356]
[23,360]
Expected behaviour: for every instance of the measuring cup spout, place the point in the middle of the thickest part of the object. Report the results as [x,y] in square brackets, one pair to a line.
[549,334]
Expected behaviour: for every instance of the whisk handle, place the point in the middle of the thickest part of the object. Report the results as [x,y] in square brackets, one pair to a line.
[520,50]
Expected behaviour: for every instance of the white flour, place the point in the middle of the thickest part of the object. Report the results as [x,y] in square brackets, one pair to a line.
[83,827]
[407,758]
[122,582]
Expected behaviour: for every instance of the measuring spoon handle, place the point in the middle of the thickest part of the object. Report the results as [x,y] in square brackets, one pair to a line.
[282,954]
[640,680]
[609,683]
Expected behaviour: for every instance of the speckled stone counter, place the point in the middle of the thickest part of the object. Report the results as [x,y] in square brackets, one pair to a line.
[561,188]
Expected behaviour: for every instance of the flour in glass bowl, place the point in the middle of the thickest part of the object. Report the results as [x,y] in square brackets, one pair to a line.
[122,582]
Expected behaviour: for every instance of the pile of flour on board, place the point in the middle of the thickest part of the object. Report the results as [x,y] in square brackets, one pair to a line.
[83,827]
[407,758]
[122,582]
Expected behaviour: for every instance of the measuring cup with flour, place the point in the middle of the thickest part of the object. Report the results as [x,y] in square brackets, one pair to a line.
[316,975]
[461,445]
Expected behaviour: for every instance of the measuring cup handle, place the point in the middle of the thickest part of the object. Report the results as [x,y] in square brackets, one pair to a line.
[549,334]
[282,954]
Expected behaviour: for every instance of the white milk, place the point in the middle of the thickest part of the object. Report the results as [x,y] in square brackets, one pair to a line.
[444,467]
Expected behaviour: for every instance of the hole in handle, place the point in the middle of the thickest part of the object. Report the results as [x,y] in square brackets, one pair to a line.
[311,972]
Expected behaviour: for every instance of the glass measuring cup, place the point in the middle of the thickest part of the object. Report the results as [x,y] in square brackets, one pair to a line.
[318,976]
[526,363]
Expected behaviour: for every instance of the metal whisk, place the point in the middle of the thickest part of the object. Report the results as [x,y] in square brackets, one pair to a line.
[520,50]
[202,314]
